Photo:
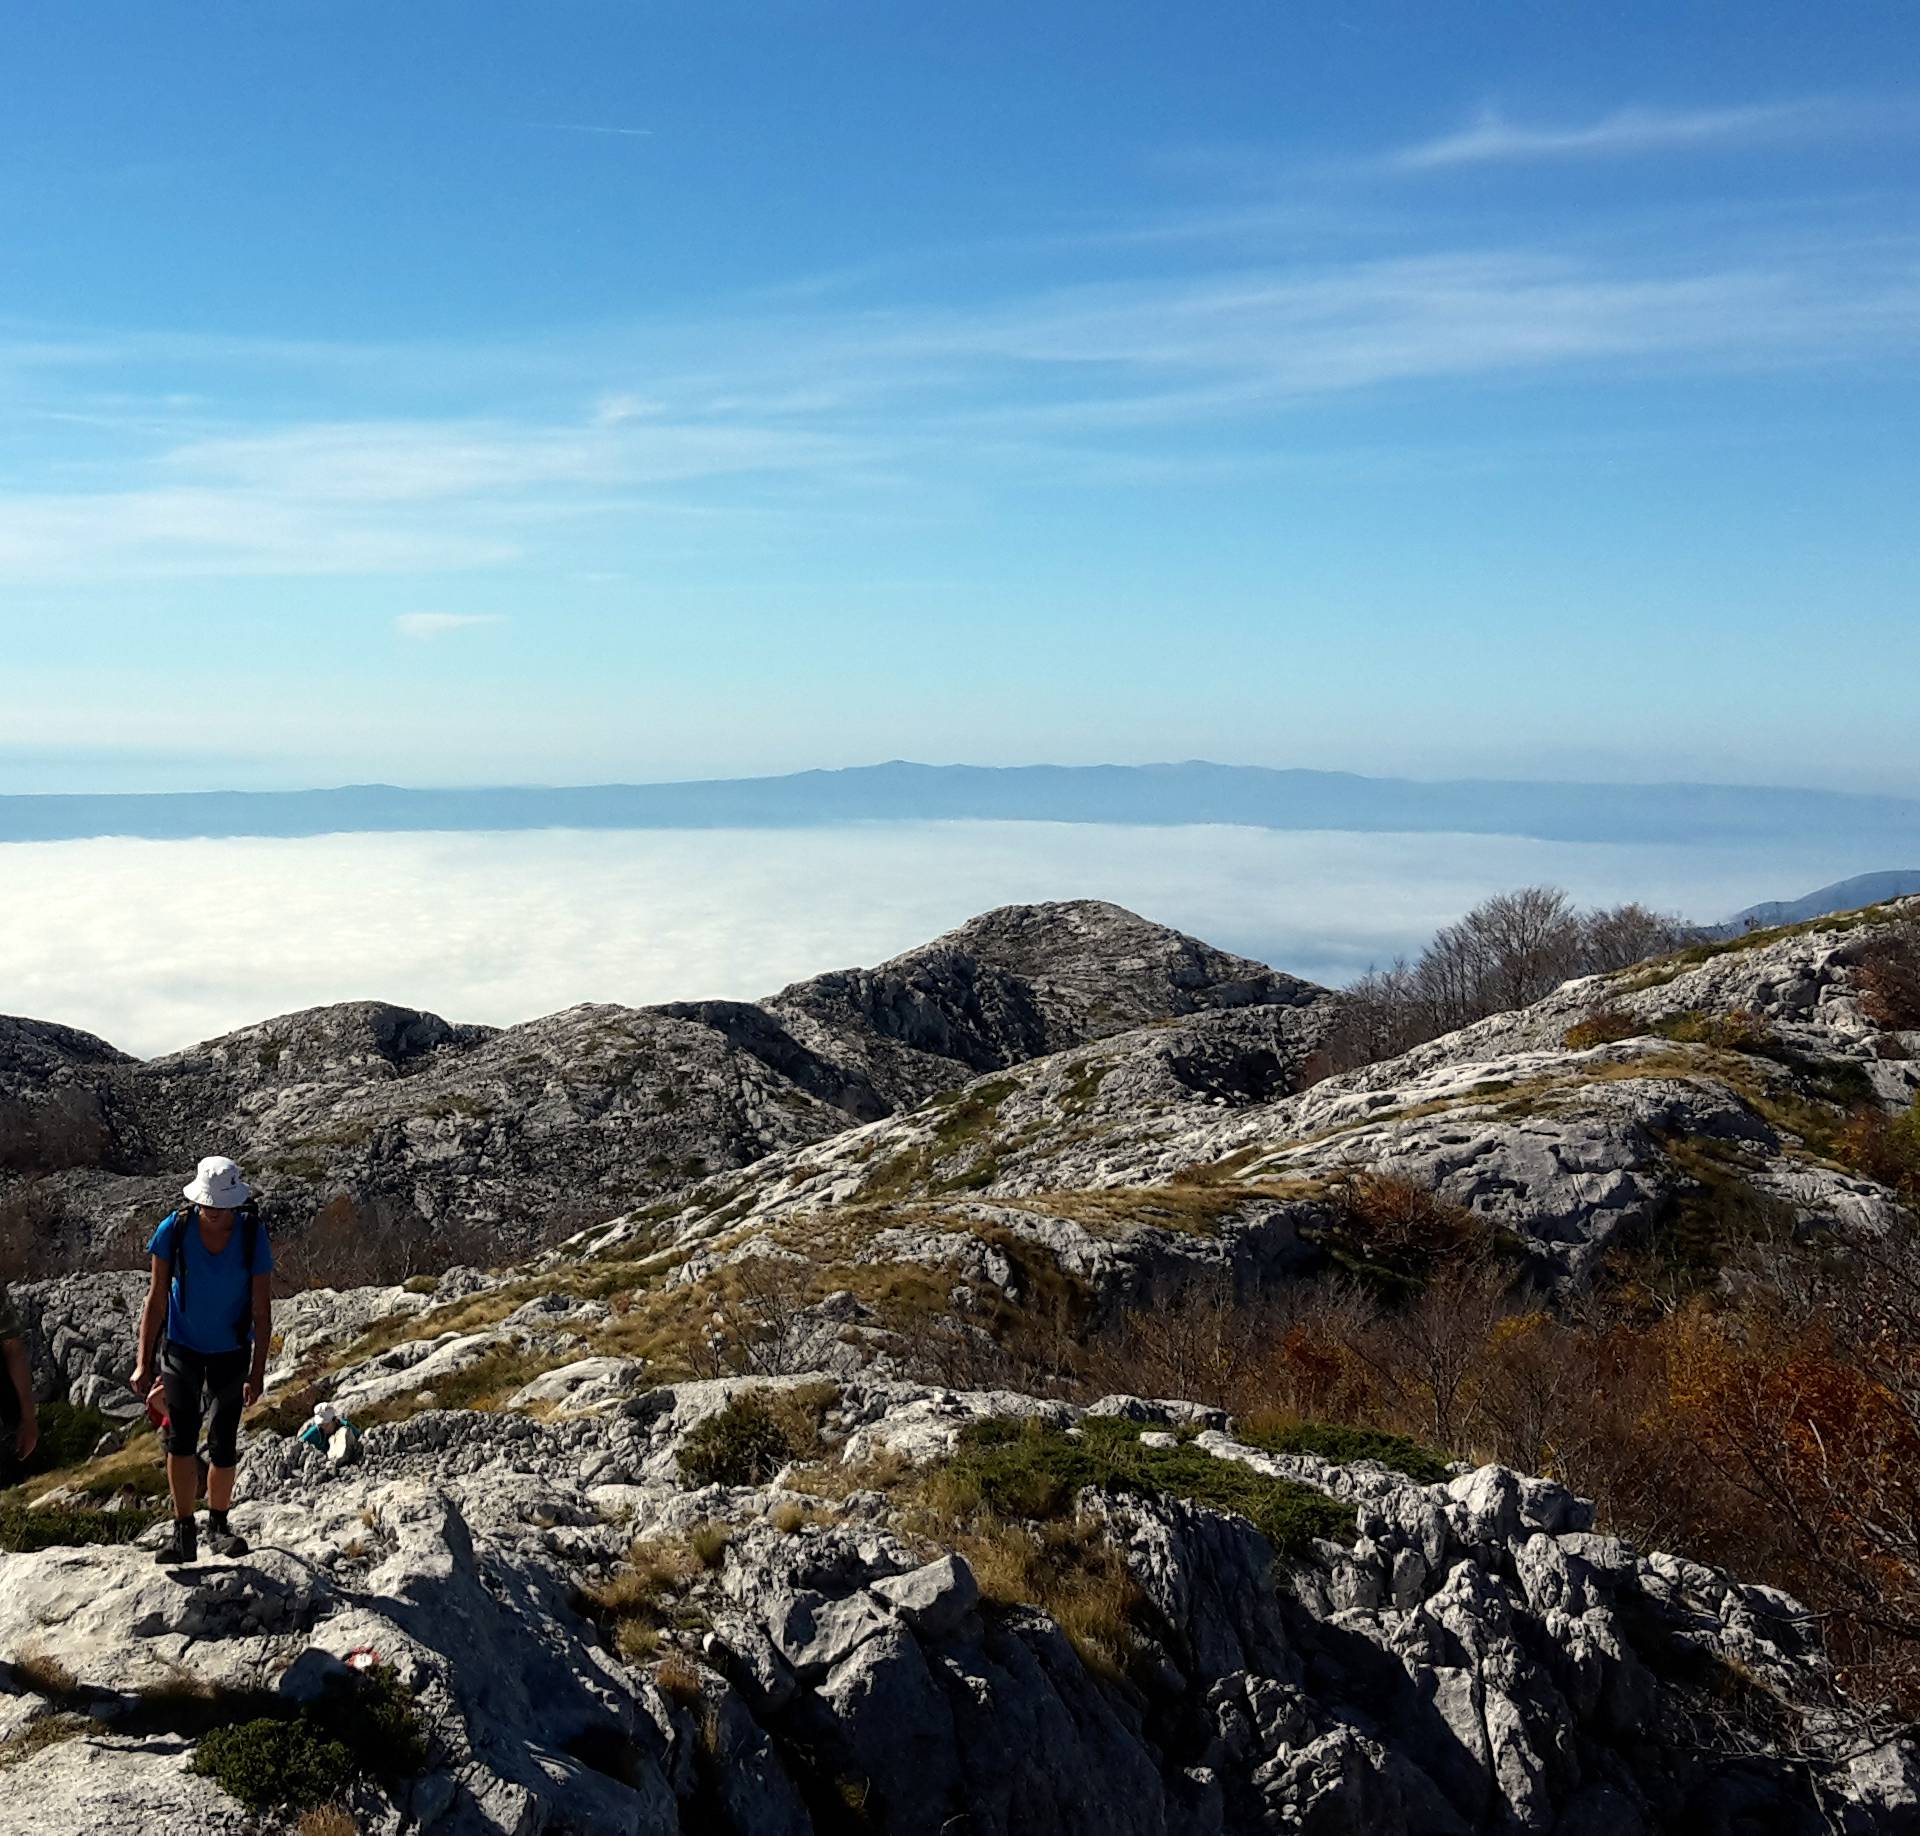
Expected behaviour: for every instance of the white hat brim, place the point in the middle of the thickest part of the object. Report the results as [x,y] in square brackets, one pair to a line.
[198,1192]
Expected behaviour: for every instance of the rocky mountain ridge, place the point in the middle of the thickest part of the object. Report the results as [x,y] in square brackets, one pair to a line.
[395,1128]
[1585,1122]
[834,1596]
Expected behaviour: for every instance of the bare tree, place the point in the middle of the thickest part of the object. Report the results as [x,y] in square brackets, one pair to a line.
[758,1324]
[1617,937]
[1429,1353]
[1508,951]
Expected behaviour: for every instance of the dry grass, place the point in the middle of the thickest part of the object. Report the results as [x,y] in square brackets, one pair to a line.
[38,1735]
[644,1599]
[790,1517]
[1070,1571]
[679,1681]
[881,1471]
[327,1820]
[485,1384]
[136,1468]
[637,1640]
[1190,1207]
[707,1543]
[178,1687]
[1739,1030]
[43,1673]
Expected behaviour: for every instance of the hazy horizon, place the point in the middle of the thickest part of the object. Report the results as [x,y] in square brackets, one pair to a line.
[155,945]
[19,766]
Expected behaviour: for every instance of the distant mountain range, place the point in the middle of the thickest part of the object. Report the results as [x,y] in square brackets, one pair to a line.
[1841,896]
[1194,792]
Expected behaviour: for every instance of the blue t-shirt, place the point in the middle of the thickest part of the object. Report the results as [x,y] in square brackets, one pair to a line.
[218,1316]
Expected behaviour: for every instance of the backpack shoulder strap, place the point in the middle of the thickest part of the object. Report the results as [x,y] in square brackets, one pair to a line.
[249,1223]
[187,1217]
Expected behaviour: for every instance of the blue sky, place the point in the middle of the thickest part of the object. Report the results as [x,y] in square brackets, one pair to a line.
[465,393]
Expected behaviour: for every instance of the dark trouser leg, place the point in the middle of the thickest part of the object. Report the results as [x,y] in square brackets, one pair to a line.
[227,1379]
[183,1373]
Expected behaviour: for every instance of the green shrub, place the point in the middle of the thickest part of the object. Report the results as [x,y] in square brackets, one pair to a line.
[1331,1441]
[273,1762]
[66,1526]
[310,1755]
[743,1444]
[1029,1471]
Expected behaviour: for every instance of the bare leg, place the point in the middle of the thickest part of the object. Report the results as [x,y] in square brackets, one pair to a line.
[183,1481]
[219,1485]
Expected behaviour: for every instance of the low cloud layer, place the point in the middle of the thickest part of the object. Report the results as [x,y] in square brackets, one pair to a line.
[154,945]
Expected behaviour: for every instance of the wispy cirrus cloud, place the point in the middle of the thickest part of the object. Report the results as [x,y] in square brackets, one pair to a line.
[594,127]
[424,626]
[439,458]
[1496,139]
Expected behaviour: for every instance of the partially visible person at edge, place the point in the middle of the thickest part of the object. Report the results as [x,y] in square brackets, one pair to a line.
[19,1418]
[212,1291]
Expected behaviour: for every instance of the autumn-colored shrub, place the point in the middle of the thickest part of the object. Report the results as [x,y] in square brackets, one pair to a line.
[1601,1026]
[1811,1419]
[1888,978]
[1394,1233]
[1884,1147]
[1768,1422]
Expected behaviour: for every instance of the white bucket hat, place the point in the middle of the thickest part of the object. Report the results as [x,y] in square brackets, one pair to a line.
[218,1185]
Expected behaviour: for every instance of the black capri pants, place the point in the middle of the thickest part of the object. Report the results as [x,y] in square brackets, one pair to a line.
[189,1377]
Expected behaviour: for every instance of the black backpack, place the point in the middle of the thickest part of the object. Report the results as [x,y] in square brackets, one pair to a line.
[248,1225]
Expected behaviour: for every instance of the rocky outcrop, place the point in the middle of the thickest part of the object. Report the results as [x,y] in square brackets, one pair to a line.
[1474,1658]
[1719,1077]
[1013,985]
[410,1141]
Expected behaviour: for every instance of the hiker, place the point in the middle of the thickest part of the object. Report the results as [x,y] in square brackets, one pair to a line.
[212,1291]
[19,1416]
[333,1434]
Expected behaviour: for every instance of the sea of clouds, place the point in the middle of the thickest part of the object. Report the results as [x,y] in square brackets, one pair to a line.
[154,945]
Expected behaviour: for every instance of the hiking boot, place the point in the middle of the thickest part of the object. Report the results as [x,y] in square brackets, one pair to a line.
[224,1541]
[182,1546]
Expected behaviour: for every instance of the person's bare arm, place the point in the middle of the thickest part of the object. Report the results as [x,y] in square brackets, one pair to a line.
[20,1373]
[262,1337]
[153,1316]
